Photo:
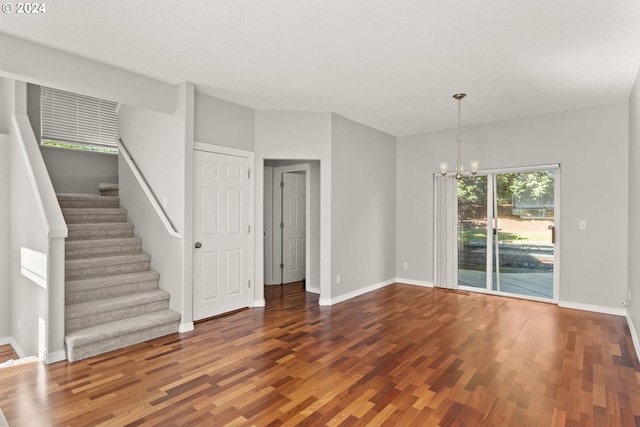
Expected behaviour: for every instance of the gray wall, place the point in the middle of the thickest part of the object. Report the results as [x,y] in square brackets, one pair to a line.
[6,109]
[156,143]
[74,171]
[591,146]
[33,109]
[363,213]
[634,206]
[223,123]
[5,254]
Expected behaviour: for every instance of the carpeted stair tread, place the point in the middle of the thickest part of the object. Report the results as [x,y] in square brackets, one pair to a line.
[74,264]
[102,287]
[77,249]
[86,268]
[95,313]
[114,280]
[108,189]
[96,333]
[94,215]
[95,340]
[99,231]
[91,201]
[114,303]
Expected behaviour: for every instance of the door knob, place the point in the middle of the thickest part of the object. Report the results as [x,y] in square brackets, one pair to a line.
[198,245]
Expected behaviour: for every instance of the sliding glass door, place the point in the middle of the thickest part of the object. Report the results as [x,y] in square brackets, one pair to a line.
[507,233]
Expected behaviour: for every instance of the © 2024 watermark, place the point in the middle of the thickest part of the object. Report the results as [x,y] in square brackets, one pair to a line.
[24,8]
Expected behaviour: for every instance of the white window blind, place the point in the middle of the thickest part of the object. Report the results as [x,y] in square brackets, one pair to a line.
[80,119]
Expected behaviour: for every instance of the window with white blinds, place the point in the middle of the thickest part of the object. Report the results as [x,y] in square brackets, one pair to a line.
[78,119]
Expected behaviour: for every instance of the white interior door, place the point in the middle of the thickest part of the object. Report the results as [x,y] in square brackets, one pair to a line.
[294,228]
[221,232]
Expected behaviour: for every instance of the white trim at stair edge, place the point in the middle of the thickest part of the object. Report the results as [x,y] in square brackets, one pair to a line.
[56,356]
[634,334]
[185,327]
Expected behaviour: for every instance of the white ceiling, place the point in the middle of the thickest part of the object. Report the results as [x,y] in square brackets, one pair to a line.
[389,64]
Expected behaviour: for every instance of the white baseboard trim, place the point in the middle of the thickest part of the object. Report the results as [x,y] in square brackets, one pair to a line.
[259,303]
[185,327]
[634,334]
[313,290]
[414,282]
[56,356]
[595,308]
[358,292]
[5,340]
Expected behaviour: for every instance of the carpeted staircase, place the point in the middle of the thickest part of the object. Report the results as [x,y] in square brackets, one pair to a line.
[112,296]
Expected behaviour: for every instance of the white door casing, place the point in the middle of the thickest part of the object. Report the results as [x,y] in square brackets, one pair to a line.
[294,227]
[221,260]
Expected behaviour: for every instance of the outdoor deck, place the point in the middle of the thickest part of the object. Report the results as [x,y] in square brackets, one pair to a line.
[531,284]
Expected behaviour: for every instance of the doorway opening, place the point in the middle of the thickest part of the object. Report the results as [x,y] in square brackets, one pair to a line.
[292,222]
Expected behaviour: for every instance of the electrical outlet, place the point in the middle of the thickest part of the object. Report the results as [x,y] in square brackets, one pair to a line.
[405,265]
[19,325]
[338,279]
[629,296]
[582,225]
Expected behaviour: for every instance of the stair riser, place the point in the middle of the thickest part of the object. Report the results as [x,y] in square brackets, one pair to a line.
[84,253]
[94,218]
[114,315]
[99,271]
[111,203]
[75,353]
[109,292]
[111,193]
[95,234]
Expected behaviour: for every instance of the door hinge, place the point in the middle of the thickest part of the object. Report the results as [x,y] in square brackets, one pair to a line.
[281,265]
[282,225]
[249,283]
[248,229]
[281,184]
[249,173]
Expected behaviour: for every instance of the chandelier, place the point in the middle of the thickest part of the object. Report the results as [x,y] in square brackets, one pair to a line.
[474,165]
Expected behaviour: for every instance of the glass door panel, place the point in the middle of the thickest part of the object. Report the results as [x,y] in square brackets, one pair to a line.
[524,230]
[506,232]
[472,232]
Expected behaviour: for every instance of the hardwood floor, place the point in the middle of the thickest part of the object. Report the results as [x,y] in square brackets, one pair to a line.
[7,353]
[400,356]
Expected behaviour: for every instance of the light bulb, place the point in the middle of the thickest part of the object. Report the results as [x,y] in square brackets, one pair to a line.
[443,168]
[475,166]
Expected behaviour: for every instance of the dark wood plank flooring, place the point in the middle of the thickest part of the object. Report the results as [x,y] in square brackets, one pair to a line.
[399,356]
[7,353]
